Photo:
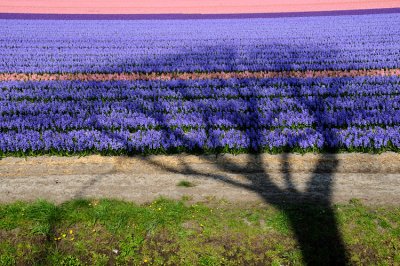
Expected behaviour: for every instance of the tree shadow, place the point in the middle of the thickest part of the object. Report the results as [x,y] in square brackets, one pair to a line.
[310,212]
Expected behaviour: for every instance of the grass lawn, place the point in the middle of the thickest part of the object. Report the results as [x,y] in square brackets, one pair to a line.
[165,232]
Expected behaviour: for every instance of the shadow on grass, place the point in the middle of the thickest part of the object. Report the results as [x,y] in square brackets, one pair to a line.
[317,232]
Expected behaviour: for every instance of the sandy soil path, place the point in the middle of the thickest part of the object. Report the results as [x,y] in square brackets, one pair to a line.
[375,179]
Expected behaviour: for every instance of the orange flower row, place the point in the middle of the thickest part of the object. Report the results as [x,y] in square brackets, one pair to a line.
[188,76]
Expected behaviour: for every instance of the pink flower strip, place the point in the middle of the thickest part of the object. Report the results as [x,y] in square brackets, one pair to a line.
[188,76]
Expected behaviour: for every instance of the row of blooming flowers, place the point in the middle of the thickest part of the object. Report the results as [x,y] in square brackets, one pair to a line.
[233,115]
[237,85]
[313,43]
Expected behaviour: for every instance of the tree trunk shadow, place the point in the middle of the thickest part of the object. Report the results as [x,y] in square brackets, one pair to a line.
[310,213]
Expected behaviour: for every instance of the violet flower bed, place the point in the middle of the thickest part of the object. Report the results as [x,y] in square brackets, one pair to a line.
[227,113]
[234,115]
[101,46]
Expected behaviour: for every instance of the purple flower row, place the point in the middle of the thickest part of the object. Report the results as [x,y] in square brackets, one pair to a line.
[125,141]
[136,121]
[342,42]
[142,112]
[276,87]
[309,113]
[201,106]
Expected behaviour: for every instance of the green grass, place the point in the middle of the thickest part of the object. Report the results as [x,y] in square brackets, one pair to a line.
[165,232]
[185,183]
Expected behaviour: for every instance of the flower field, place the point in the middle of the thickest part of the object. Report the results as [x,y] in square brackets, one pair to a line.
[343,42]
[229,85]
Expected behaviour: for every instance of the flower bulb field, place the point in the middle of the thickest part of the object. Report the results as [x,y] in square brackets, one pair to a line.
[327,83]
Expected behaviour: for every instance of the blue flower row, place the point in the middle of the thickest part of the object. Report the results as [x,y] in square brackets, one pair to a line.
[210,88]
[341,42]
[334,113]
[141,141]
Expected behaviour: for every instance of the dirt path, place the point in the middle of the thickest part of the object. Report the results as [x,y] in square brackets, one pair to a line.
[190,75]
[375,179]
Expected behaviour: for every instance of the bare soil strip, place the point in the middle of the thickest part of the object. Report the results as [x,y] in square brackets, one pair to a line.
[375,179]
[190,76]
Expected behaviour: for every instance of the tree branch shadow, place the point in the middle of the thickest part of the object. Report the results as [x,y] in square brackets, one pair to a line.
[315,225]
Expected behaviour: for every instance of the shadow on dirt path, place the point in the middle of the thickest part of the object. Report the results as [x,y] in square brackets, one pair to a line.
[314,225]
